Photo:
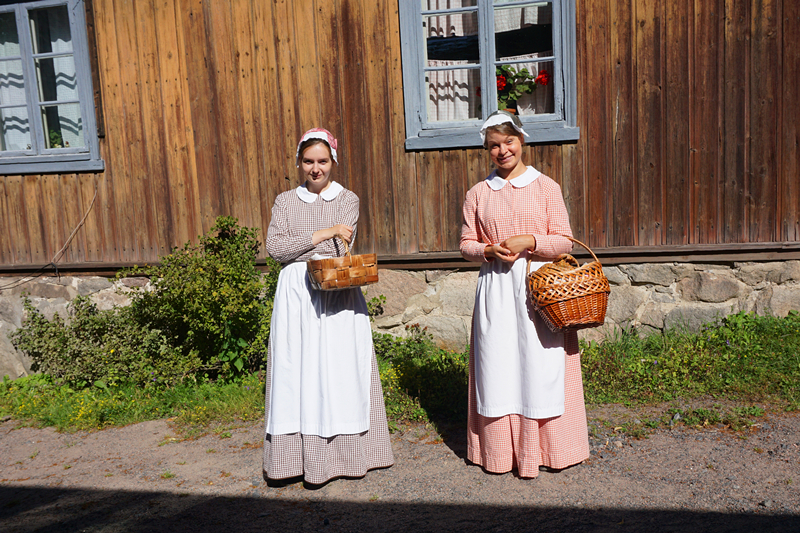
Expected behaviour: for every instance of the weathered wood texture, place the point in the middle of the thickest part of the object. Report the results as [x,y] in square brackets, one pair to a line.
[688,112]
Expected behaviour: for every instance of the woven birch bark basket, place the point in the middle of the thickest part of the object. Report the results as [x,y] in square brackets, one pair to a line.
[568,296]
[339,273]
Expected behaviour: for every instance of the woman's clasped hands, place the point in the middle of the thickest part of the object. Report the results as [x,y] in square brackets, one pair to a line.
[508,251]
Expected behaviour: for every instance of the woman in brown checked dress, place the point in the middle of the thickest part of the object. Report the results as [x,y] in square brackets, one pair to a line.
[325,417]
[526,407]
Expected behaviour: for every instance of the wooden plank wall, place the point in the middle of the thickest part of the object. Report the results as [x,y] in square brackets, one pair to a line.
[688,112]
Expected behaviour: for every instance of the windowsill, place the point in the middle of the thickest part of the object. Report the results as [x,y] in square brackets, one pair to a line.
[45,165]
[470,138]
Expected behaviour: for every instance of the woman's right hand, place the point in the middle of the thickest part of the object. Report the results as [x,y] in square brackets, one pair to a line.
[346,232]
[502,253]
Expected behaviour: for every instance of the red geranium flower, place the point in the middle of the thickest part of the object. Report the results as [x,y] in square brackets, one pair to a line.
[543,78]
[501,83]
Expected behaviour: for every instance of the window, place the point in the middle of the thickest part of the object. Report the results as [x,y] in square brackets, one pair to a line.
[464,59]
[47,121]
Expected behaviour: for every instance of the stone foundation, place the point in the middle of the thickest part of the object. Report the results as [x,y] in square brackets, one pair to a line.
[650,297]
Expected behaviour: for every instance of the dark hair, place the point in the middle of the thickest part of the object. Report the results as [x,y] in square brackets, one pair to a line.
[308,143]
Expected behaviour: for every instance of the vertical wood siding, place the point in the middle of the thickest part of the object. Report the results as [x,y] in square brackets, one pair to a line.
[688,112]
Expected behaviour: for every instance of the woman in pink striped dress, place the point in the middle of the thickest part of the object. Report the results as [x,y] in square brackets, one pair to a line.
[325,417]
[526,407]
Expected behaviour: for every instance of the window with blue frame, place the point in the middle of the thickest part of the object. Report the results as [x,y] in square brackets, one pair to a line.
[47,121]
[464,59]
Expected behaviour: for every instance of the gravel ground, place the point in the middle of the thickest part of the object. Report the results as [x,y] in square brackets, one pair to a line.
[141,478]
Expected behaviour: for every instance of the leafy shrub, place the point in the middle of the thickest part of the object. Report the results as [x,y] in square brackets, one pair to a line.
[102,348]
[742,356]
[206,317]
[210,300]
[415,370]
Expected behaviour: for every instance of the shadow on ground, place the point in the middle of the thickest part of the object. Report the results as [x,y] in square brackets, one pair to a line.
[53,510]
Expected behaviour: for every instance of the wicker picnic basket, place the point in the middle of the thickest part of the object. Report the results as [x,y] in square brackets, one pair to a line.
[568,296]
[338,273]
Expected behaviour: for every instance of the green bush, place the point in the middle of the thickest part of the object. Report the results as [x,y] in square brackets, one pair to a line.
[420,379]
[101,348]
[210,300]
[206,317]
[742,356]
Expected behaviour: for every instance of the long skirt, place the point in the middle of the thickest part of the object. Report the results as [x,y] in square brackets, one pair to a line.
[319,459]
[510,442]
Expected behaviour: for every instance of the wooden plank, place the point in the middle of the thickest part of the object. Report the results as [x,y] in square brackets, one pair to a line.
[676,124]
[178,148]
[160,199]
[144,224]
[734,131]
[227,112]
[573,155]
[18,230]
[272,146]
[790,134]
[704,121]
[455,188]
[34,219]
[306,68]
[55,231]
[286,81]
[6,253]
[250,122]
[764,90]
[648,56]
[429,201]
[381,193]
[93,226]
[115,146]
[356,137]
[71,206]
[623,216]
[202,106]
[403,168]
[597,132]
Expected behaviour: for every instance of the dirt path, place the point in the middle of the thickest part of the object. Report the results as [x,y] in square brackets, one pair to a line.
[138,478]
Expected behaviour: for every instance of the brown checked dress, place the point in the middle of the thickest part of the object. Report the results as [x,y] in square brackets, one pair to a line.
[324,417]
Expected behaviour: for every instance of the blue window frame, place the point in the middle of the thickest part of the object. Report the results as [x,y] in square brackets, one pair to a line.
[47,121]
[464,59]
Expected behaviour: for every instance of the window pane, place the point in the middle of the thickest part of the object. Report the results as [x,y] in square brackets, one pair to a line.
[16,131]
[63,126]
[12,84]
[430,5]
[526,88]
[57,78]
[50,30]
[524,32]
[9,38]
[451,38]
[453,95]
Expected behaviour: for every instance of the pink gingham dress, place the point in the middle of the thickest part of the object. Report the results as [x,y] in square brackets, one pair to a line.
[318,458]
[510,440]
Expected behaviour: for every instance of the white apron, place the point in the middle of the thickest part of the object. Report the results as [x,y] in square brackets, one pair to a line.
[519,362]
[320,359]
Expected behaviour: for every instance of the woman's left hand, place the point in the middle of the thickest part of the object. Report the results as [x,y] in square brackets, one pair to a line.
[519,243]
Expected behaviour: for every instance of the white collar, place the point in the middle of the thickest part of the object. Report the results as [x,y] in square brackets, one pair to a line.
[524,179]
[328,194]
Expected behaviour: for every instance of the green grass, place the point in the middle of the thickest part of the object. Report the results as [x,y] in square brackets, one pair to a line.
[739,361]
[742,358]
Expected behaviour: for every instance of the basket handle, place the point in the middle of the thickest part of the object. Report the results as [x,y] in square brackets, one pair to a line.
[565,256]
[346,247]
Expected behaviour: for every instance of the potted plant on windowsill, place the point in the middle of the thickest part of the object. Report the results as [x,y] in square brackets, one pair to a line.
[513,83]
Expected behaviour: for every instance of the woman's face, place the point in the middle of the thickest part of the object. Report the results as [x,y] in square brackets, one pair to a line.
[317,164]
[505,151]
